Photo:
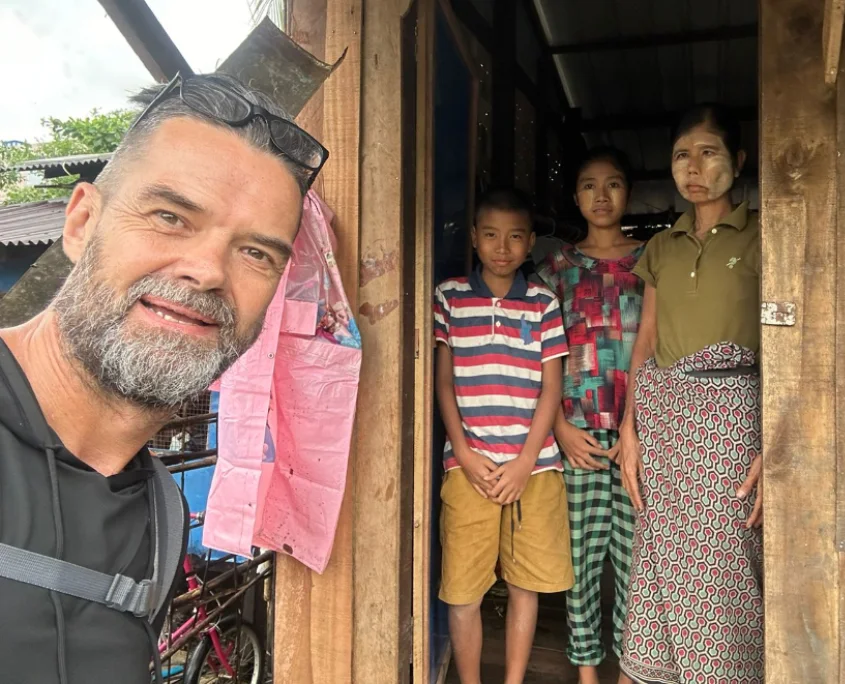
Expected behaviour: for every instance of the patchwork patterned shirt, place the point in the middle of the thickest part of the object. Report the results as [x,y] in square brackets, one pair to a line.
[499,346]
[601,300]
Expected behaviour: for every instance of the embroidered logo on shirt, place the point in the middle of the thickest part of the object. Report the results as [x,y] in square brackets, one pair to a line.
[733,261]
[525,331]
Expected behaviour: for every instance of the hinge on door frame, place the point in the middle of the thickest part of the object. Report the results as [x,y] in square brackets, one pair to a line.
[778,313]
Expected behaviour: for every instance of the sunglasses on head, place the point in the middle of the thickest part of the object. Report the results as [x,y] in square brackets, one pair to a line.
[287,138]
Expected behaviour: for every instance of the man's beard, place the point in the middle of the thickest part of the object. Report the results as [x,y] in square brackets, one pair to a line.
[151,367]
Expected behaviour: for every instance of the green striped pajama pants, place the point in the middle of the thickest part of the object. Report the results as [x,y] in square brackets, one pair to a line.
[601,522]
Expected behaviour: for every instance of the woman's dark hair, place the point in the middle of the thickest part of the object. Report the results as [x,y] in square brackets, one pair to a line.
[613,156]
[504,199]
[717,118]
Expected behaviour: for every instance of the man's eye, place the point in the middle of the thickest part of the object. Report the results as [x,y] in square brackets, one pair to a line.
[516,236]
[680,155]
[169,218]
[587,186]
[257,254]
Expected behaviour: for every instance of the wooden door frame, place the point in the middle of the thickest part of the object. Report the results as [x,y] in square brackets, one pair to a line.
[424,294]
[802,127]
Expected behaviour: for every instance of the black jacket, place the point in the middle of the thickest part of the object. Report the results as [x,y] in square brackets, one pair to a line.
[84,518]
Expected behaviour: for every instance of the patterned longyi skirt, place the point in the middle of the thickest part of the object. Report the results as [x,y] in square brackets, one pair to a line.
[695,605]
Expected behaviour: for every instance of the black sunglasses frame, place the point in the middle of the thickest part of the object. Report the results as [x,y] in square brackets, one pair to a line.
[255,112]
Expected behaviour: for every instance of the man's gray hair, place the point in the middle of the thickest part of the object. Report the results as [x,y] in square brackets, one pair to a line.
[212,92]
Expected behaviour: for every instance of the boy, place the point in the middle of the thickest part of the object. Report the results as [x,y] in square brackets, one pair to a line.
[500,343]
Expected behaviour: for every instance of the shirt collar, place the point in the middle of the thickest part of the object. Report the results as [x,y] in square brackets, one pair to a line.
[737,219]
[519,289]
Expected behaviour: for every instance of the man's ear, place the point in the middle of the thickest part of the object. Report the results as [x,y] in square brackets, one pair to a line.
[532,240]
[472,233]
[81,216]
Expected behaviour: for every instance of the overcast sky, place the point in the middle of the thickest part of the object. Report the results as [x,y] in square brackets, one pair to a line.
[65,57]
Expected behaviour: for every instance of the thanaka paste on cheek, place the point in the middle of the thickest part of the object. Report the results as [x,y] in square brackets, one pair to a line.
[715,172]
[587,199]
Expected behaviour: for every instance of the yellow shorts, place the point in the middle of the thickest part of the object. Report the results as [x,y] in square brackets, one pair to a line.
[476,532]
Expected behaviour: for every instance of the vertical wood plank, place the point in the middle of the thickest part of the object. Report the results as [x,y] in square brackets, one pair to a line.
[840,367]
[313,613]
[306,21]
[424,371]
[798,197]
[834,17]
[381,556]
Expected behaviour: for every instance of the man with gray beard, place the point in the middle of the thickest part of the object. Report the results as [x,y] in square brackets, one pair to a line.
[178,250]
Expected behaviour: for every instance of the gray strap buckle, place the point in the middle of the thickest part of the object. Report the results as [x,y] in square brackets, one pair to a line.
[129,596]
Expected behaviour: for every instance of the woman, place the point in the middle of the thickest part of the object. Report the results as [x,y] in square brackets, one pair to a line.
[691,433]
[601,301]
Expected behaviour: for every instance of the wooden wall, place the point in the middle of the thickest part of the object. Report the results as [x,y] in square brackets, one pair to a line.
[353,624]
[800,201]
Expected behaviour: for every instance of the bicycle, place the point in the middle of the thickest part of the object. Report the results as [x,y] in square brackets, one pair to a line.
[228,650]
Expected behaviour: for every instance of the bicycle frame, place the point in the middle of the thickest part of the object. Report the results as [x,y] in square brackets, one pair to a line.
[199,615]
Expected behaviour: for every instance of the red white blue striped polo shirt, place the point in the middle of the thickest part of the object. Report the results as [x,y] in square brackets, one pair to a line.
[498,350]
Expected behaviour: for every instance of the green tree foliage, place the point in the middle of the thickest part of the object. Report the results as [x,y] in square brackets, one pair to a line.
[97,133]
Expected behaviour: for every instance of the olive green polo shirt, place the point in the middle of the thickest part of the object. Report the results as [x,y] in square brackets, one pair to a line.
[707,291]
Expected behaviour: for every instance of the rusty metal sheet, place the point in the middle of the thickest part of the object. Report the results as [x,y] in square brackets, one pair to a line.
[36,288]
[777,313]
[269,61]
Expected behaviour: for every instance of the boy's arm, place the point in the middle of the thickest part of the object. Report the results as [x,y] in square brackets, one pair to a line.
[474,465]
[445,388]
[548,406]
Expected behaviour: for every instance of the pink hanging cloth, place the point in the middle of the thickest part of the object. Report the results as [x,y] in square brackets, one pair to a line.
[286,415]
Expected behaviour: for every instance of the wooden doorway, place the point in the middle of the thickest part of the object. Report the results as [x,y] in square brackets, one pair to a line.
[446,99]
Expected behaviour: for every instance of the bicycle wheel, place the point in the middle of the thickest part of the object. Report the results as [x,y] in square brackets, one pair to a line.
[204,666]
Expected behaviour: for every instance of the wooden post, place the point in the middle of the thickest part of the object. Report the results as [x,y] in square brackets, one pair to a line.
[799,235]
[834,16]
[313,613]
[383,477]
[423,403]
[306,25]
[504,90]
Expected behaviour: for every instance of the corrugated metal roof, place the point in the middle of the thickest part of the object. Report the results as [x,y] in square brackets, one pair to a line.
[54,167]
[33,223]
[626,91]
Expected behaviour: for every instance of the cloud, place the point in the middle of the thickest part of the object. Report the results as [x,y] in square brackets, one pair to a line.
[60,58]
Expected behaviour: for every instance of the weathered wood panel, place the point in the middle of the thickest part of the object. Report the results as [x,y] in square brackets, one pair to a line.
[307,27]
[834,16]
[798,196]
[381,631]
[423,394]
[840,368]
[313,613]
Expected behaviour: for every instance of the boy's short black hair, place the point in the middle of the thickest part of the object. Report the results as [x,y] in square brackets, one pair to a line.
[504,199]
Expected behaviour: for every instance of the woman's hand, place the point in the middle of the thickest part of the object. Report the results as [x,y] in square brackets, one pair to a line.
[753,479]
[579,446]
[630,460]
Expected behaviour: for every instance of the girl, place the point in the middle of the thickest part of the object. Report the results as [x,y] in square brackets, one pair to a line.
[601,301]
[691,433]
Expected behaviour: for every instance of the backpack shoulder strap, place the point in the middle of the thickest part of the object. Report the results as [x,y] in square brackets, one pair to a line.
[114,591]
[168,511]
[144,599]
